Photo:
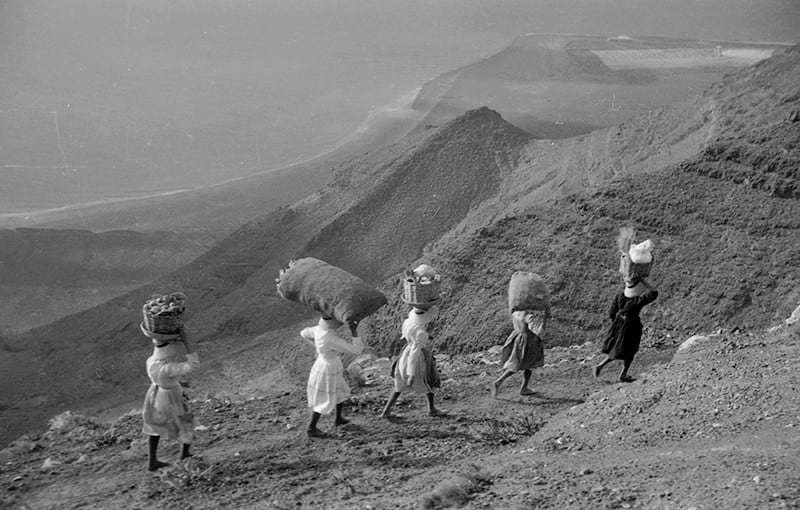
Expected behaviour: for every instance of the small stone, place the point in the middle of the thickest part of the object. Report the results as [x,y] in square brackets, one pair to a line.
[757,479]
[49,464]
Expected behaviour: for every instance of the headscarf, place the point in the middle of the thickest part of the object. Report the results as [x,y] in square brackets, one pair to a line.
[418,318]
[329,323]
[636,290]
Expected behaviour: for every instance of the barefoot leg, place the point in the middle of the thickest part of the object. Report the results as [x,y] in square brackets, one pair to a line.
[495,387]
[387,410]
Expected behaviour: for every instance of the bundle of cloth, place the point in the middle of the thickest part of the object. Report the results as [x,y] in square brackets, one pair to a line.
[329,290]
[636,260]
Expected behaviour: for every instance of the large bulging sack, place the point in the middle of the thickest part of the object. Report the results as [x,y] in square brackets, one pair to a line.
[527,291]
[329,290]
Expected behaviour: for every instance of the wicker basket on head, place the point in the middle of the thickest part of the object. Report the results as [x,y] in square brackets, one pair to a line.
[630,269]
[421,291]
[163,314]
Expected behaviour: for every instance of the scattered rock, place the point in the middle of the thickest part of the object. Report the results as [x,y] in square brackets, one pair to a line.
[49,464]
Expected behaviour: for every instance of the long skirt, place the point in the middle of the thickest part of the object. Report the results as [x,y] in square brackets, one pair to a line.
[422,365]
[623,338]
[326,385]
[522,351]
[166,413]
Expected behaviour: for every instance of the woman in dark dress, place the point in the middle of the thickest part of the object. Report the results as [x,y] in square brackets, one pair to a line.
[625,334]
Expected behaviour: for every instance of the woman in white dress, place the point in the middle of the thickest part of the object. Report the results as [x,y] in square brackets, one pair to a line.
[165,412]
[327,389]
[416,368]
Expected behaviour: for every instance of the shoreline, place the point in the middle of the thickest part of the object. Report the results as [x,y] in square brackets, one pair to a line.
[380,126]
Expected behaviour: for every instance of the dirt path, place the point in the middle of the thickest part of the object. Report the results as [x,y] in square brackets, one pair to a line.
[704,430]
[255,453]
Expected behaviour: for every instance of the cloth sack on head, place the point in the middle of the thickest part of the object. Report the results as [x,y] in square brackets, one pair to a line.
[330,290]
[527,291]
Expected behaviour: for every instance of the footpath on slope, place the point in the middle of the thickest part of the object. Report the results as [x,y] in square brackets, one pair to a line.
[717,426]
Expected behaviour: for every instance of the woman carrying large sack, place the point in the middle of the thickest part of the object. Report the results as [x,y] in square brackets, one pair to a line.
[327,389]
[524,349]
[340,298]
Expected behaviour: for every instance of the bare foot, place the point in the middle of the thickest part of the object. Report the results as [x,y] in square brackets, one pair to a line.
[626,378]
[315,432]
[436,412]
[156,465]
[526,391]
[597,370]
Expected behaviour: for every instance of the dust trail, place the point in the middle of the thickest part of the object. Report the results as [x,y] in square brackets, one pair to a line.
[58,140]
[127,22]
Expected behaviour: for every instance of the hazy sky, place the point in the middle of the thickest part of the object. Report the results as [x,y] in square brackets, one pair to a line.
[102,99]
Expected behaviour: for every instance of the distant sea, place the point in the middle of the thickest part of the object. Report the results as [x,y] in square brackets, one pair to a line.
[105,100]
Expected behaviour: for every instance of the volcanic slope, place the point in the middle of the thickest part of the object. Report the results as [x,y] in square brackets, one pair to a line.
[478,199]
[727,260]
[713,181]
[375,216]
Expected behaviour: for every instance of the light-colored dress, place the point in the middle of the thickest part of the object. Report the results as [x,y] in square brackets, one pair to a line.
[416,359]
[165,412]
[326,384]
[523,349]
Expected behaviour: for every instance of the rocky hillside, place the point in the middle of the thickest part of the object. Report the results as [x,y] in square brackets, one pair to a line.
[479,198]
[437,177]
[727,245]
[714,426]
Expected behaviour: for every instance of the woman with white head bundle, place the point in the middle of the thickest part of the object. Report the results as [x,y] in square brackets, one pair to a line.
[415,369]
[625,334]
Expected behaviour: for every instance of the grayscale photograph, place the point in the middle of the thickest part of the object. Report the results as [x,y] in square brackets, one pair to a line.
[399,254]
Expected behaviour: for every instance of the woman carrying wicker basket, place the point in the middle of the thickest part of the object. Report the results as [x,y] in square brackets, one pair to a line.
[416,368]
[327,389]
[165,411]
